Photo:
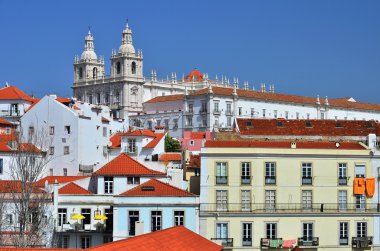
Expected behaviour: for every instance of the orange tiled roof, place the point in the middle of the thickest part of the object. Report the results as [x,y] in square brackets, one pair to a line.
[195,75]
[342,103]
[198,135]
[60,179]
[156,188]
[168,98]
[194,162]
[8,186]
[170,157]
[6,122]
[125,165]
[105,120]
[286,144]
[63,100]
[312,127]
[153,143]
[116,138]
[73,189]
[6,138]
[12,92]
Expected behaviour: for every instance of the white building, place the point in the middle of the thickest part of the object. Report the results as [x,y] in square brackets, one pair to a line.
[76,134]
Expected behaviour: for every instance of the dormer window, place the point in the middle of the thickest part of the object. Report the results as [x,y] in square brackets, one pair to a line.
[280,124]
[248,123]
[338,125]
[308,124]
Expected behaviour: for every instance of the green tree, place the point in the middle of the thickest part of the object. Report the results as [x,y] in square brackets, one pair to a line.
[172,145]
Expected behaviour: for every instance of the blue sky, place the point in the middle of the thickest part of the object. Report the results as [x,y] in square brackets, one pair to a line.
[309,48]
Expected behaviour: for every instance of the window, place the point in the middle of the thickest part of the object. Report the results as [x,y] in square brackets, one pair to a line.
[221,173]
[86,212]
[62,216]
[133,180]
[51,130]
[359,171]
[1,166]
[247,234]
[307,178]
[156,217]
[343,233]
[166,121]
[67,130]
[245,173]
[7,130]
[204,107]
[117,97]
[221,200]
[360,201]
[31,132]
[133,217]
[175,122]
[108,185]
[270,199]
[271,230]
[80,73]
[9,219]
[85,242]
[275,113]
[342,174]
[179,218]
[229,110]
[264,113]
[322,115]
[118,68]
[252,112]
[190,108]
[98,101]
[229,121]
[286,114]
[51,150]
[342,199]
[65,241]
[240,111]
[64,171]
[158,122]
[297,115]
[105,131]
[51,171]
[107,98]
[133,67]
[307,115]
[90,98]
[361,229]
[307,232]
[204,122]
[307,199]
[246,200]
[131,145]
[189,120]
[270,173]
[216,123]
[66,150]
[216,107]
[191,142]
[150,125]
[222,231]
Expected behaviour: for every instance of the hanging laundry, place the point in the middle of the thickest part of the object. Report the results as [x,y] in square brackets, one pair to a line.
[359,186]
[275,243]
[370,186]
[288,243]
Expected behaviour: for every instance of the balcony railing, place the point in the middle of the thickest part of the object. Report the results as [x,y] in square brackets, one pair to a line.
[216,111]
[343,241]
[221,180]
[342,181]
[307,180]
[286,208]
[270,180]
[245,180]
[308,241]
[228,113]
[226,242]
[362,242]
[247,242]
[266,243]
[203,111]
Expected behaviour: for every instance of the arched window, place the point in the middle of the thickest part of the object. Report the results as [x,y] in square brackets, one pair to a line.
[133,67]
[118,68]
[95,73]
[80,73]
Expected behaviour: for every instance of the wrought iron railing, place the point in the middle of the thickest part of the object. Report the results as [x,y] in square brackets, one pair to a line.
[307,180]
[308,241]
[226,242]
[221,180]
[270,180]
[342,181]
[362,242]
[270,243]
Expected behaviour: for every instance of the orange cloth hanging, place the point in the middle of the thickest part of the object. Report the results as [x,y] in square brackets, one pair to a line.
[359,186]
[370,185]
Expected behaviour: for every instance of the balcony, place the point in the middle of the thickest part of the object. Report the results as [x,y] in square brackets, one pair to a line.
[274,243]
[245,180]
[342,181]
[296,208]
[228,113]
[78,228]
[362,242]
[216,111]
[308,241]
[270,180]
[221,180]
[203,111]
[343,241]
[226,242]
[307,180]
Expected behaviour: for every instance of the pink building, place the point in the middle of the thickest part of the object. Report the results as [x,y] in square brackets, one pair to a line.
[193,141]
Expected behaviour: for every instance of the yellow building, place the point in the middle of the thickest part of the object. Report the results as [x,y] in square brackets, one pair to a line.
[275,195]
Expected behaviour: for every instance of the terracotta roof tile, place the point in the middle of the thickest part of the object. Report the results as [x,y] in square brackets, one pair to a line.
[105,120]
[73,189]
[307,127]
[153,143]
[286,144]
[156,188]
[194,162]
[60,179]
[171,239]
[125,165]
[170,157]
[198,135]
[8,186]
[116,138]
[11,92]
[63,100]
[166,98]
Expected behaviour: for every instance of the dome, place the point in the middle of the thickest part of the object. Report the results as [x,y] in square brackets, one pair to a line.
[197,75]
[126,48]
[89,55]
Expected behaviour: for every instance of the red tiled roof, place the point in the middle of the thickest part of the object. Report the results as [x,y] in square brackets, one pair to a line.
[76,107]
[156,188]
[125,165]
[11,92]
[168,98]
[105,120]
[153,143]
[25,147]
[198,135]
[170,157]
[8,186]
[63,100]
[59,179]
[286,144]
[6,122]
[298,127]
[116,138]
[268,96]
[194,162]
[73,189]
[195,75]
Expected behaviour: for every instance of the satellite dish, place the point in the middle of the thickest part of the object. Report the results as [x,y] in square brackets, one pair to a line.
[109,144]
